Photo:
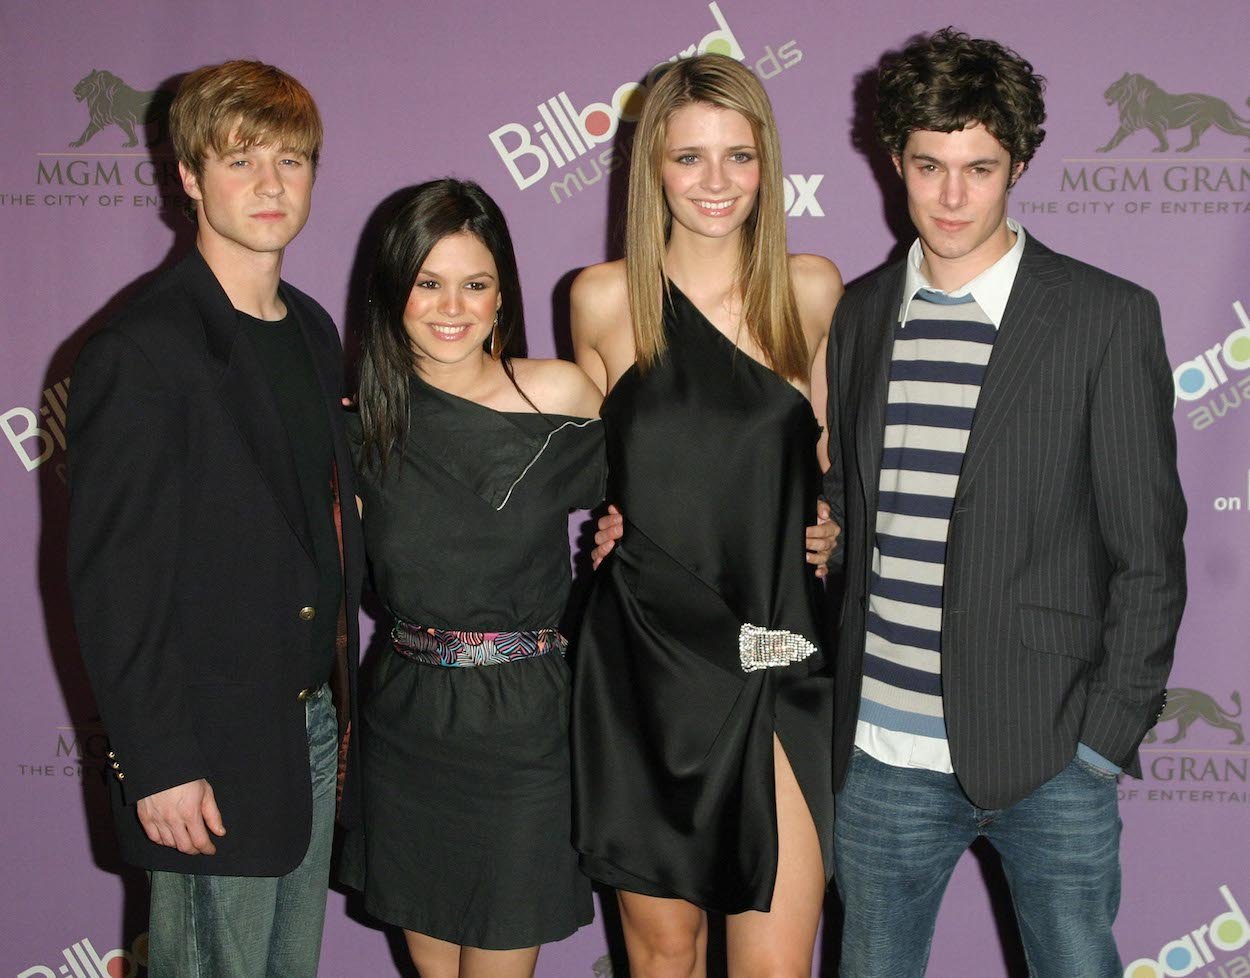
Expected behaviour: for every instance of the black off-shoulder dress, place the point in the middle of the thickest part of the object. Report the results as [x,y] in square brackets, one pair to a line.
[467,805]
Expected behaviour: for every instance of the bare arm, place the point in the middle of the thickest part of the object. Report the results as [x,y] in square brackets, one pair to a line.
[817,289]
[822,538]
[587,323]
[600,314]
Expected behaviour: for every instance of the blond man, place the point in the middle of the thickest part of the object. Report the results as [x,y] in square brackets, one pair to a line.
[214,576]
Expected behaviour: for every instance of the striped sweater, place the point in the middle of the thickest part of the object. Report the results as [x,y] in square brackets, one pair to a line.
[938,363]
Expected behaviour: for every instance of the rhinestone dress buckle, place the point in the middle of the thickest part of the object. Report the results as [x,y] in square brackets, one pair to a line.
[764,648]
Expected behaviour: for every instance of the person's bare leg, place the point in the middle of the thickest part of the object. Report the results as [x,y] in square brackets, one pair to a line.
[476,962]
[664,938]
[780,943]
[432,957]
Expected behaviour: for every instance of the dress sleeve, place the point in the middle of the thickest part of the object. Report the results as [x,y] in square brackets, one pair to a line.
[588,474]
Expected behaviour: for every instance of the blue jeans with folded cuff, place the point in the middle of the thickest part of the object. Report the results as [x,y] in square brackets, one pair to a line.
[898,833]
[254,927]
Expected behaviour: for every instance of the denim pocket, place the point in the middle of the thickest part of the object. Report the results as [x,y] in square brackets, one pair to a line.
[1095,771]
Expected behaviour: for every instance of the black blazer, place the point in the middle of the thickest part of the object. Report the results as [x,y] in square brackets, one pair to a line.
[1065,573]
[190,561]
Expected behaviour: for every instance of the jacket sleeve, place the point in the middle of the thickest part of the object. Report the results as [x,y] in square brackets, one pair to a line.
[832,484]
[1141,513]
[126,442]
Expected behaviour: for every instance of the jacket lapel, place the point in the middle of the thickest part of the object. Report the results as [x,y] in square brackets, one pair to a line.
[325,352]
[876,345]
[1038,302]
[247,396]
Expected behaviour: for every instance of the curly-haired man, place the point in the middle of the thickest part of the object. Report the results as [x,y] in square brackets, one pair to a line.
[1004,475]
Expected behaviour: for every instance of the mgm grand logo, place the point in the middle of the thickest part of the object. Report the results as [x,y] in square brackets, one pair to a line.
[111,102]
[1217,772]
[1144,105]
[1187,706]
[81,752]
[1176,182]
[103,176]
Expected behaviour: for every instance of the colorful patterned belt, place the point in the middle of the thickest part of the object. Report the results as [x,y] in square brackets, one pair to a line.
[447,647]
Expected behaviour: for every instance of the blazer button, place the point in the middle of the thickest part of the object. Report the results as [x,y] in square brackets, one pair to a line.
[308,613]
[117,766]
[112,755]
[121,776]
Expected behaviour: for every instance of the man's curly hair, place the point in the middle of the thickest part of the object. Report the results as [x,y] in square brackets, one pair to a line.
[947,80]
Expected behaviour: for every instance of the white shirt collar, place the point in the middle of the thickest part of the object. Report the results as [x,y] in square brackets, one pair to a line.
[991,289]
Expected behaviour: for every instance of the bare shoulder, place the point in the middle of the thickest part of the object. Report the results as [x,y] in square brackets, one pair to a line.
[817,289]
[599,297]
[816,280]
[558,387]
[605,277]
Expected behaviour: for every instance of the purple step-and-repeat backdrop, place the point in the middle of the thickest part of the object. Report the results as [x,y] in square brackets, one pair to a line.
[536,101]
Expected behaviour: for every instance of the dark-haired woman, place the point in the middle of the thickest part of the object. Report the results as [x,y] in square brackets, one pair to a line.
[470,459]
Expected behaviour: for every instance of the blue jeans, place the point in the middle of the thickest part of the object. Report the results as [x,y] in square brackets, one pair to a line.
[898,833]
[254,926]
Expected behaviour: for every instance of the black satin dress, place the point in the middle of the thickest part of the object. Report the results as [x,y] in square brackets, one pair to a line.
[711,457]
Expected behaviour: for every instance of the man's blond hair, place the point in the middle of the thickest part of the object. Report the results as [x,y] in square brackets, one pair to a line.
[240,104]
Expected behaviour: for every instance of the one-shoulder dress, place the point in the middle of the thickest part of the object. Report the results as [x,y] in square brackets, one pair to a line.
[466,834]
[703,632]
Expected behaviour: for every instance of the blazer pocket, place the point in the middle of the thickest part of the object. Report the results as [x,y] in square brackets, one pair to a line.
[1060,632]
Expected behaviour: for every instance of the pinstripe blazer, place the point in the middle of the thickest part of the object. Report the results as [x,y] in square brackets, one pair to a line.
[1065,573]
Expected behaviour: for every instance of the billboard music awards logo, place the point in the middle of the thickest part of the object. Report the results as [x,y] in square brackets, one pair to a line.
[564,134]
[1158,178]
[1217,381]
[1203,952]
[82,960]
[107,175]
[1175,769]
[36,437]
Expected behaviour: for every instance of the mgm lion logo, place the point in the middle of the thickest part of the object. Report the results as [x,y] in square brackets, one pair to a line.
[111,102]
[1188,705]
[1144,105]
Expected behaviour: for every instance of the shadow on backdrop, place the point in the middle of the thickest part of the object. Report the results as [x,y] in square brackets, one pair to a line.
[591,171]
[864,140]
[355,315]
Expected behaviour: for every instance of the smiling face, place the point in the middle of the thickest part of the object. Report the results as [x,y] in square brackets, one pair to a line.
[451,309]
[711,172]
[253,199]
[957,186]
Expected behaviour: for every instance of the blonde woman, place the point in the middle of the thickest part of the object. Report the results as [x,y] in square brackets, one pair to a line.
[702,702]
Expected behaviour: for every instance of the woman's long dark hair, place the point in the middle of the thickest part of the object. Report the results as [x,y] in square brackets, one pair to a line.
[422,217]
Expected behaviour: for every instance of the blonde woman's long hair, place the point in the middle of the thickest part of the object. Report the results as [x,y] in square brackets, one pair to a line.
[768,307]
